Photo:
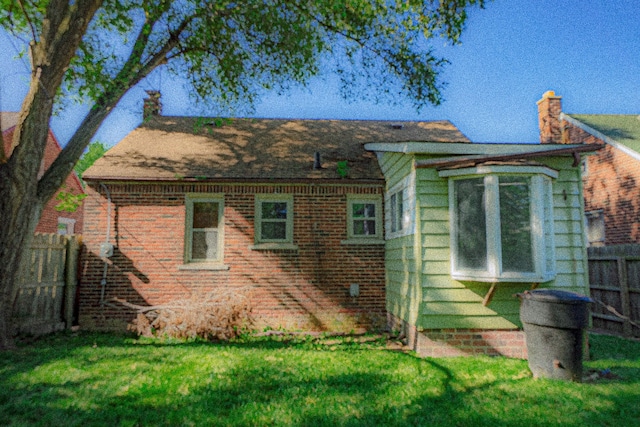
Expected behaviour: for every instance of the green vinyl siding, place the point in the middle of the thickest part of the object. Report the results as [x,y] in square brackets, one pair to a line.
[420,288]
[402,278]
[402,255]
[395,167]
[447,303]
[571,256]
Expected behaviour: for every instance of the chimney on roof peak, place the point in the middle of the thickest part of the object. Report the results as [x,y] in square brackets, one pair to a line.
[549,111]
[152,105]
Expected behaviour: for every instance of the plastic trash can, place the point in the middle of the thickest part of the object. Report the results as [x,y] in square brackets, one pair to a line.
[555,323]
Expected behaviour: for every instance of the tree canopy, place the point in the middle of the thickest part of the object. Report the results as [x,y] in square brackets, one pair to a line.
[229,51]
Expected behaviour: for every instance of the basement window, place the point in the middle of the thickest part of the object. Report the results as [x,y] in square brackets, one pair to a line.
[501,225]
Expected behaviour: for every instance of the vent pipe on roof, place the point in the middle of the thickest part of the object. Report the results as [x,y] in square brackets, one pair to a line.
[317,162]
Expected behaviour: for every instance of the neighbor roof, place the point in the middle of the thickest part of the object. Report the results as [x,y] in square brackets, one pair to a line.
[622,128]
[8,119]
[176,148]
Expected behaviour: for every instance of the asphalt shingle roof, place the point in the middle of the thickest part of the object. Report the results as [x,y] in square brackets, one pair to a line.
[622,128]
[174,148]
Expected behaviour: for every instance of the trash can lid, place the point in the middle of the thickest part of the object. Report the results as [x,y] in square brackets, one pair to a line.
[555,296]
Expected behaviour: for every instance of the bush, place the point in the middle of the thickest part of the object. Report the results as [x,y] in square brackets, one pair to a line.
[214,316]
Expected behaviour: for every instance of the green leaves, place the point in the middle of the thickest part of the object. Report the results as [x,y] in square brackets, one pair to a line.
[230,52]
[94,151]
[69,202]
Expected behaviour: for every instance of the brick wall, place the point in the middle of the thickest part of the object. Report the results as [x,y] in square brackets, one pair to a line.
[612,179]
[549,110]
[49,219]
[611,184]
[462,342]
[306,289]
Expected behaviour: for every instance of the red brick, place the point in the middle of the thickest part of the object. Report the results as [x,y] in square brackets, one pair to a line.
[307,289]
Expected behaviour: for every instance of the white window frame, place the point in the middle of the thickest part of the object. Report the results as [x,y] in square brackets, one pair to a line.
[375,200]
[399,208]
[69,225]
[590,218]
[276,198]
[541,220]
[190,199]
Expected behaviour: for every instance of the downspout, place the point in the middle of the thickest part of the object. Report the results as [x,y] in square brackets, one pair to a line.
[104,248]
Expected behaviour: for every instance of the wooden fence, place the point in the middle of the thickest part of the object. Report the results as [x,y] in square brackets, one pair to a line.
[46,295]
[614,276]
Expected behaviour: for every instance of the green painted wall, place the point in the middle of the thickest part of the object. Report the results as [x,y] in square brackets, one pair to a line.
[402,255]
[418,266]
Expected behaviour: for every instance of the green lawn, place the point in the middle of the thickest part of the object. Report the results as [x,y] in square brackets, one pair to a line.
[92,379]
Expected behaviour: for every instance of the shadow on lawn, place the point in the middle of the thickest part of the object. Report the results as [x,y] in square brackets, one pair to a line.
[274,389]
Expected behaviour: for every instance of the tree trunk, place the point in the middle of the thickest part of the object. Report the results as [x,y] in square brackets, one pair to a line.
[21,199]
[16,237]
[20,208]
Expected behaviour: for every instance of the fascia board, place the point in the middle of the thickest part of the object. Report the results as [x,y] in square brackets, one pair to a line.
[464,148]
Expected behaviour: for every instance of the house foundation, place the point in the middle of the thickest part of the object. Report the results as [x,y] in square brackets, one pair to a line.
[461,342]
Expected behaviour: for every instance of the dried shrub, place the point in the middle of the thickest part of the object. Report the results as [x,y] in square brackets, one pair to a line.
[213,316]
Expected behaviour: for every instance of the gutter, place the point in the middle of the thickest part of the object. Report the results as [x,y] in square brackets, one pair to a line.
[241,181]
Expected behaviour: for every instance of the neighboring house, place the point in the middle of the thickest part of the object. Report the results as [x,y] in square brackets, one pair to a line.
[52,220]
[334,225]
[611,177]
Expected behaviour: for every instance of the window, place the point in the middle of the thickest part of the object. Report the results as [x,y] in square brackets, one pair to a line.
[400,208]
[274,219]
[502,227]
[364,218]
[204,229]
[395,201]
[595,228]
[66,225]
[584,167]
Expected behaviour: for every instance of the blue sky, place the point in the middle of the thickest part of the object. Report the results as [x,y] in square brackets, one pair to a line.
[587,51]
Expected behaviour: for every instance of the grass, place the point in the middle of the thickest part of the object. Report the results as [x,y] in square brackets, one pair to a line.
[110,380]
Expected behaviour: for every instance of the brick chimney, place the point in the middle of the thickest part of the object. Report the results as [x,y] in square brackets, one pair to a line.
[549,110]
[152,105]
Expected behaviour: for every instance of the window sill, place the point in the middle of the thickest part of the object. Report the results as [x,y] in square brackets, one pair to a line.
[274,247]
[204,266]
[470,277]
[362,241]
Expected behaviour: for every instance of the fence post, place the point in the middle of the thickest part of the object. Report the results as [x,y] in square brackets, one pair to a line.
[71,279]
[624,295]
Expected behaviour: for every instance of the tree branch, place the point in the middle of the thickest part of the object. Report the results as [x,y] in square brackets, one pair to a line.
[26,16]
[131,73]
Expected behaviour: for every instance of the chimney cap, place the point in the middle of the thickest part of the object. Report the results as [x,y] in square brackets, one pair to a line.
[550,94]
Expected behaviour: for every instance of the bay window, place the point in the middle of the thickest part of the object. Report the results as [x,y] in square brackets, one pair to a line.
[501,225]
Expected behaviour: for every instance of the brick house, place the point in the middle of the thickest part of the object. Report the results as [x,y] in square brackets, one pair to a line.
[334,225]
[611,177]
[52,220]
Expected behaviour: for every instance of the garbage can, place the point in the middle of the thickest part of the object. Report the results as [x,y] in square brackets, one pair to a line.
[554,324]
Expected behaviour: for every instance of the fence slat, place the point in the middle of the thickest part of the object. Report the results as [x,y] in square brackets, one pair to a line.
[614,276]
[45,296]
